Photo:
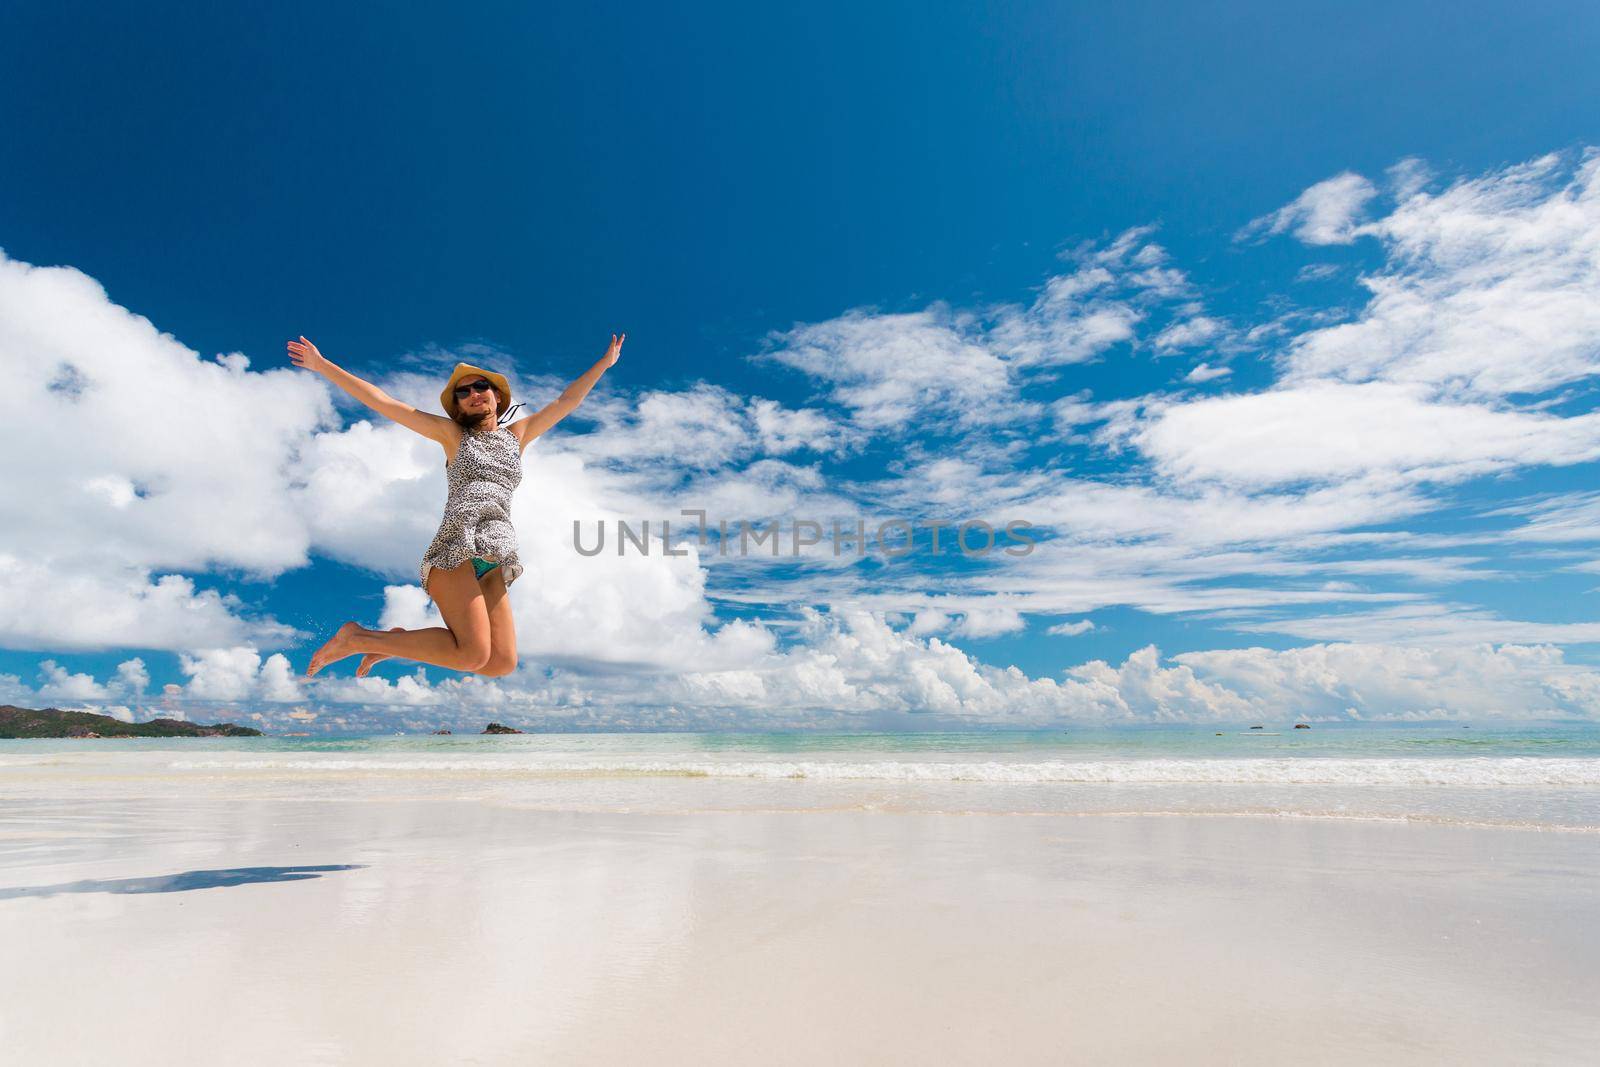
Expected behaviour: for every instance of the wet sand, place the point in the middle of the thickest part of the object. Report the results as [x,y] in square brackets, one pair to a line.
[398,930]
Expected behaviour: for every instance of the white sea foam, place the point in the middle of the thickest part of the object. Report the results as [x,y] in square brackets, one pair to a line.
[1474,772]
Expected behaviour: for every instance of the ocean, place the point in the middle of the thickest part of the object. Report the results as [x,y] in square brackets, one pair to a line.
[1544,776]
[1351,893]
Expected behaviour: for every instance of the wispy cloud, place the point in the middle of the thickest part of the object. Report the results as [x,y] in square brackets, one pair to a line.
[895,372]
[1325,214]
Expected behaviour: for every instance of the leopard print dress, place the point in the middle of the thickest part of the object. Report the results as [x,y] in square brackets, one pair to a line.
[477,512]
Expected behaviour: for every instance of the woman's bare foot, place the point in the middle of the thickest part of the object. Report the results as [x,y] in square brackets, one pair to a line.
[372,657]
[336,648]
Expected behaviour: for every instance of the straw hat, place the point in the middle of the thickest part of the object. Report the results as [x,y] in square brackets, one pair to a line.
[467,372]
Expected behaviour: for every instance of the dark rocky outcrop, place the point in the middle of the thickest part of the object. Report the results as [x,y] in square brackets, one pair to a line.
[18,722]
[496,728]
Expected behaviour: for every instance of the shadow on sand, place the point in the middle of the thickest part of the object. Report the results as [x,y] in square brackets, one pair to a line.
[178,883]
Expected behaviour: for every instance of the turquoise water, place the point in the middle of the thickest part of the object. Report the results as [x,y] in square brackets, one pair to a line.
[1534,775]
[1399,740]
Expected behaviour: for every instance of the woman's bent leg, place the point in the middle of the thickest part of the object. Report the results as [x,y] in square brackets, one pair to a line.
[461,645]
[373,658]
[502,627]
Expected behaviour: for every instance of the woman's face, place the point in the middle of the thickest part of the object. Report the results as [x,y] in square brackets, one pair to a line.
[471,409]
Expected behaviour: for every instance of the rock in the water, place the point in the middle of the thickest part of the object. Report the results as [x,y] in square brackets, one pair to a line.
[437,732]
[496,728]
[1302,726]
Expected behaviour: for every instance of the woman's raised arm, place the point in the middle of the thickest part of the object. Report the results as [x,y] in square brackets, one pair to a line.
[528,428]
[435,427]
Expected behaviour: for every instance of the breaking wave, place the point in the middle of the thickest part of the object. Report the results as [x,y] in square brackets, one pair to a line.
[1474,772]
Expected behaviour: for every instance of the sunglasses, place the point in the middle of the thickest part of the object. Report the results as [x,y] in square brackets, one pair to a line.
[479,386]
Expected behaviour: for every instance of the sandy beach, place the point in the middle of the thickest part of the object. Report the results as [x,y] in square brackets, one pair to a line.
[377,922]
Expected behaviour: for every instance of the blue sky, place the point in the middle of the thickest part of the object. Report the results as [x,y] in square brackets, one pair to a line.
[1082,266]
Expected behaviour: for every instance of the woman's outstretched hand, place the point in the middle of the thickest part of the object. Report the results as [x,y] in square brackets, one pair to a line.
[611,353]
[303,353]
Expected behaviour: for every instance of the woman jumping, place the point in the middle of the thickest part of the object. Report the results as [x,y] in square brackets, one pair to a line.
[473,558]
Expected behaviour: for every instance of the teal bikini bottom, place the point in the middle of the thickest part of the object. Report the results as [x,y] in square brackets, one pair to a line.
[483,566]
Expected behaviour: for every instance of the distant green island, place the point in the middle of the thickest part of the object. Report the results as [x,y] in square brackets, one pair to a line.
[18,722]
